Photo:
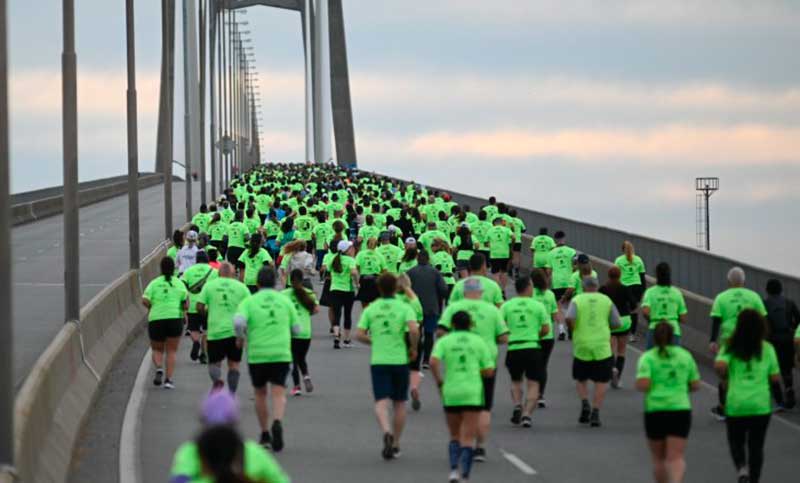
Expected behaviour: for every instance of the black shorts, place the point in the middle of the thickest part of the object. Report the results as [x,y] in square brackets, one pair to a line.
[224,349]
[635,293]
[517,247]
[161,330]
[197,322]
[659,425]
[233,256]
[325,297]
[499,265]
[559,293]
[595,371]
[390,382]
[462,409]
[525,361]
[368,289]
[488,392]
[269,372]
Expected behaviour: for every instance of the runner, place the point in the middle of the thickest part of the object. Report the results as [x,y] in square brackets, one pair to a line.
[265,320]
[370,264]
[432,291]
[177,244]
[621,296]
[322,234]
[666,374]
[489,324]
[782,317]
[344,284]
[464,246]
[492,292]
[369,230]
[561,271]
[166,299]
[202,219]
[296,257]
[500,239]
[409,259]
[218,302]
[724,315]
[590,317]
[749,366]
[548,299]
[518,228]
[663,302]
[406,295]
[528,321]
[541,246]
[219,233]
[391,253]
[633,279]
[253,259]
[389,326]
[442,260]
[236,234]
[195,279]
[467,362]
[306,305]
[187,256]
[583,269]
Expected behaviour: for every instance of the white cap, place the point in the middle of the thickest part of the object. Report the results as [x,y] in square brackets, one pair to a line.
[191,235]
[343,246]
[411,241]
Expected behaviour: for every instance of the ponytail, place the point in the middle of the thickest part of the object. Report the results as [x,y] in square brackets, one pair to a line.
[167,268]
[255,245]
[300,293]
[662,335]
[337,263]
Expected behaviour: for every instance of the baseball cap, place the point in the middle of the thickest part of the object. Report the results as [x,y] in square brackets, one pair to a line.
[583,259]
[343,246]
[220,407]
[411,241]
[191,235]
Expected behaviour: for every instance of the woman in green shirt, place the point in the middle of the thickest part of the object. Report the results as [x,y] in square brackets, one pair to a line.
[465,248]
[547,297]
[306,304]
[666,374]
[344,283]
[409,259]
[633,279]
[166,301]
[218,231]
[253,259]
[748,366]
[370,265]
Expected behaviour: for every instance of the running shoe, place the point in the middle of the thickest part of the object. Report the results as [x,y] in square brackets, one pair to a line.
[195,351]
[615,378]
[425,366]
[296,391]
[562,336]
[396,453]
[168,384]
[594,419]
[348,344]
[203,358]
[586,412]
[336,344]
[388,446]
[159,377]
[516,416]
[277,436]
[454,477]
[542,403]
[632,338]
[527,422]
[265,440]
[307,383]
[416,404]
[718,413]
[479,455]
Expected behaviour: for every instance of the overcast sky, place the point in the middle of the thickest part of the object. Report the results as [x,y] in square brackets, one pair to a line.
[599,111]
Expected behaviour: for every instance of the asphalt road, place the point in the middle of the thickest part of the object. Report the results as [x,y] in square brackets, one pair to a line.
[332,434]
[38,264]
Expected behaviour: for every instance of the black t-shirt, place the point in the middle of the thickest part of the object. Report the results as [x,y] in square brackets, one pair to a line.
[620,296]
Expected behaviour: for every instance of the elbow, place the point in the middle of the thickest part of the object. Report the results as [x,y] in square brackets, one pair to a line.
[643,385]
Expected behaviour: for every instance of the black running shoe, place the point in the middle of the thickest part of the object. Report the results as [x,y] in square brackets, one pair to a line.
[416,404]
[266,440]
[527,422]
[586,412]
[594,419]
[388,446]
[203,358]
[516,416]
[336,344]
[396,452]
[562,336]
[159,377]
[479,455]
[195,351]
[277,436]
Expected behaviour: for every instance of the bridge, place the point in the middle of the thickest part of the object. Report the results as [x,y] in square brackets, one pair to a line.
[82,408]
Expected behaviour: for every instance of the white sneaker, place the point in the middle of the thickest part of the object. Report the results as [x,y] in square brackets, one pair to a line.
[454,477]
[615,378]
[168,384]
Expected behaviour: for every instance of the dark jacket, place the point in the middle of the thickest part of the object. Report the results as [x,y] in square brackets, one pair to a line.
[782,317]
[429,286]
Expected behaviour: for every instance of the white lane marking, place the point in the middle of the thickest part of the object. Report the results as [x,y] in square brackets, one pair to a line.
[521,465]
[129,437]
[713,388]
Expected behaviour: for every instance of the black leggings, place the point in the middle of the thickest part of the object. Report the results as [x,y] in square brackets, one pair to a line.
[784,348]
[342,301]
[299,352]
[750,431]
[547,349]
[426,346]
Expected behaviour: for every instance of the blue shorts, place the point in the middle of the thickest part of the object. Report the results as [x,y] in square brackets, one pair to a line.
[390,382]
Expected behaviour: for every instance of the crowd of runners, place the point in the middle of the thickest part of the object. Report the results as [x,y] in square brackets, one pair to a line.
[442,288]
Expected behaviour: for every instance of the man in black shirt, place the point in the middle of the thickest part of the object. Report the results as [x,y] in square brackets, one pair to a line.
[782,318]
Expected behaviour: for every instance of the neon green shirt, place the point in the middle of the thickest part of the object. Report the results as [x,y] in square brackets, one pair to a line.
[366,232]
[561,264]
[386,320]
[269,316]
[218,230]
[221,297]
[392,255]
[465,355]
[443,262]
[541,246]
[301,330]
[406,266]
[259,464]
[525,317]
[342,281]
[548,299]
[670,376]
[192,277]
[322,235]
[665,303]
[370,262]
[730,303]
[492,292]
[201,220]
[415,305]
[166,298]
[748,382]
[304,226]
[253,264]
[591,337]
[576,281]
[236,233]
[500,238]
[631,271]
[487,320]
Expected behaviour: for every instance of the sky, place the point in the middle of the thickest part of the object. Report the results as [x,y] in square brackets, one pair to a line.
[598,111]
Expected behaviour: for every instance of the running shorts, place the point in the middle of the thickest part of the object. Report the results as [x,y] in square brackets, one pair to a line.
[462,409]
[635,293]
[161,330]
[233,256]
[517,247]
[269,372]
[499,265]
[658,425]
[390,381]
[368,289]
[595,371]
[526,362]
[488,392]
[197,322]
[224,349]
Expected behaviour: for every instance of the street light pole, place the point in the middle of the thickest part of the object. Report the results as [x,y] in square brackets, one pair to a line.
[213,95]
[202,100]
[133,139]
[69,96]
[191,98]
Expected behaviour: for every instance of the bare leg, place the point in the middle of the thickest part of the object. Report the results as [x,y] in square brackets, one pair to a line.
[382,413]
[516,393]
[531,398]
[158,354]
[675,463]
[599,395]
[262,411]
[658,454]
[278,394]
[172,352]
[484,424]
[399,421]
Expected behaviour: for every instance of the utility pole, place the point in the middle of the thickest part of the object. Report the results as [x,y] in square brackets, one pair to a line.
[306,16]
[133,139]
[191,98]
[322,83]
[69,96]
[164,142]
[213,94]
[705,188]
[202,99]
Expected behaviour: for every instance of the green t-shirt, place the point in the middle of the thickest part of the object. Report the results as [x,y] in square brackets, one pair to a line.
[166,298]
[236,232]
[218,230]
[341,281]
[301,330]
[561,265]
[221,297]
[591,337]
[259,464]
[487,320]
[541,246]
[427,238]
[670,376]
[492,292]
[192,278]
[548,299]
[269,316]
[322,235]
[201,220]
[748,382]
[500,239]
[730,303]
[386,320]
[576,282]
[415,305]
[631,271]
[466,253]
[480,231]
[525,317]
[304,226]
[227,215]
[366,232]
[406,266]
[253,264]
[464,355]
[370,262]
[392,254]
[443,262]
[665,303]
